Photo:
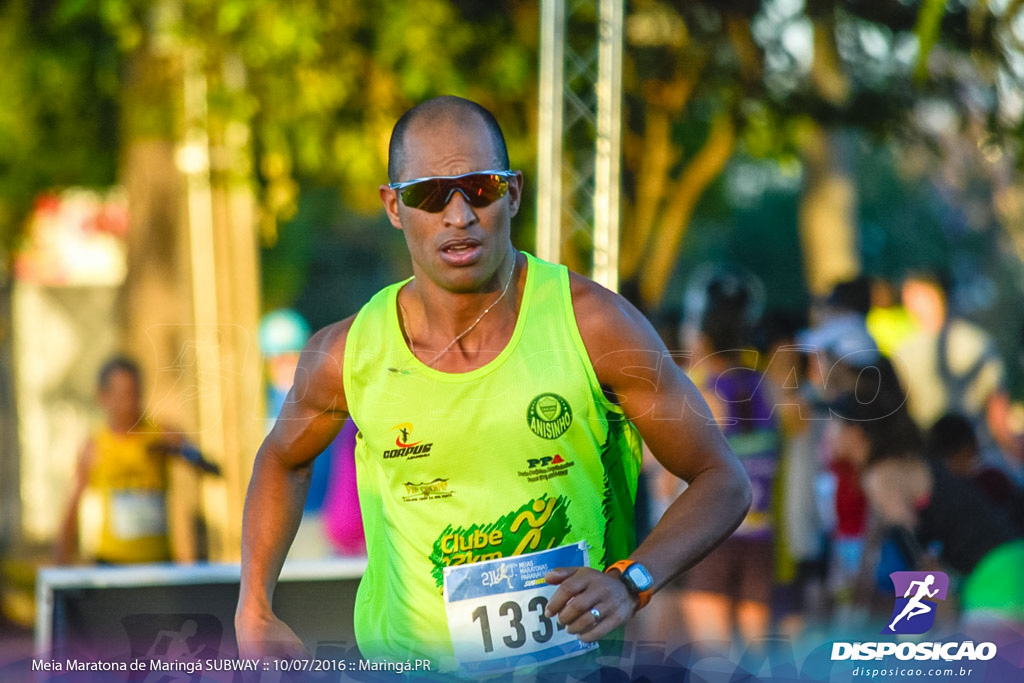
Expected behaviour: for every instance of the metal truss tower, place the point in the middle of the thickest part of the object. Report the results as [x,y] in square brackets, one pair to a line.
[579,139]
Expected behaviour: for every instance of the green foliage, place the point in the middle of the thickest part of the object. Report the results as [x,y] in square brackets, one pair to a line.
[319,84]
[898,73]
[889,55]
[324,82]
[58,125]
[929,22]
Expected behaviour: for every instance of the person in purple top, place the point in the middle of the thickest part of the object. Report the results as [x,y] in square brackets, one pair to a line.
[729,592]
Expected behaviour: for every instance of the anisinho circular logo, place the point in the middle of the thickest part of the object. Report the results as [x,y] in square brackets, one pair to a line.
[549,415]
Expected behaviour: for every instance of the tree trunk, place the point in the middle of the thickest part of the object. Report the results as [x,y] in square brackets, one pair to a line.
[191,298]
[656,160]
[10,473]
[827,213]
[686,193]
[155,307]
[828,205]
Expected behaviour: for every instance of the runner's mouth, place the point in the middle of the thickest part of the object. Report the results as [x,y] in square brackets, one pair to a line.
[459,247]
[459,253]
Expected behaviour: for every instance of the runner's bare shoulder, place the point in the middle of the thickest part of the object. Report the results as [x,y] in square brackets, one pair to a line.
[609,323]
[320,372]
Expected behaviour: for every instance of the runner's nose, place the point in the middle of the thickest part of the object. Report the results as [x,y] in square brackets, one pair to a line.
[457,211]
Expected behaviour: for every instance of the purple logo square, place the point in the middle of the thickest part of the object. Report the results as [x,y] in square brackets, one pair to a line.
[916,595]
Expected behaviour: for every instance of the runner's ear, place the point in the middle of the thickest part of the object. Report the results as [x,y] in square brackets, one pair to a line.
[389,198]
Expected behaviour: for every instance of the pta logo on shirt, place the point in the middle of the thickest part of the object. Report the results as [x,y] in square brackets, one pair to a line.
[916,596]
[545,461]
[546,467]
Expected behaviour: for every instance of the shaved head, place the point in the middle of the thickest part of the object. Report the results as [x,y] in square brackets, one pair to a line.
[444,109]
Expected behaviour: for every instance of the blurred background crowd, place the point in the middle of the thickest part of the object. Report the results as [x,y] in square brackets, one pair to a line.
[878,438]
[819,204]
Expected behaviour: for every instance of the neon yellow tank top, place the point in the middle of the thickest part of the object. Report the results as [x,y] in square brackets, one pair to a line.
[522,454]
[130,483]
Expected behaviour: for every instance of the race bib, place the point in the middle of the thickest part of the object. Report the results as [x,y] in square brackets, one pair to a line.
[138,514]
[496,616]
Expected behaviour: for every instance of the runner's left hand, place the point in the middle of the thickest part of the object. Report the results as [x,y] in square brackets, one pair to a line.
[581,589]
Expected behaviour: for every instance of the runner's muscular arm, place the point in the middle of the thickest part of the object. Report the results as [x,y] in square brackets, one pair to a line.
[674,420]
[311,417]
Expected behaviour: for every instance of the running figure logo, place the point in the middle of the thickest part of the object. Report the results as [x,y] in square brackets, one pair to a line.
[916,595]
[404,430]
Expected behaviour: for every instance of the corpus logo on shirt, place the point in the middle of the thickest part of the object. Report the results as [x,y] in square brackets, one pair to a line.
[549,415]
[405,446]
[916,595]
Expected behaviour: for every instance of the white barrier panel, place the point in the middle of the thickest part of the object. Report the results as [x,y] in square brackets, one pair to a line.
[112,613]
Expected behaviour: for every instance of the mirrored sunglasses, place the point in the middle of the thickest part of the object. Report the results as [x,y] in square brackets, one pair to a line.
[433,193]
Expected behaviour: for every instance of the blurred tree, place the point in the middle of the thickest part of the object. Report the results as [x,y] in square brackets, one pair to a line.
[324,82]
[795,80]
[59,122]
[318,83]
[196,107]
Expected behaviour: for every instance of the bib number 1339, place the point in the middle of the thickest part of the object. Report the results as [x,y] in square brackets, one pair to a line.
[496,616]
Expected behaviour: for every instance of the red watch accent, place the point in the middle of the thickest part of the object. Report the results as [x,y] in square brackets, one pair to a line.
[622,566]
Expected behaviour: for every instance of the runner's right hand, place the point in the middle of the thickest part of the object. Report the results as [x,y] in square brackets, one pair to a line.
[260,637]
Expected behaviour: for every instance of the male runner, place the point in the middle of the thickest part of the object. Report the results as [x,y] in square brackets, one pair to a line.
[498,399]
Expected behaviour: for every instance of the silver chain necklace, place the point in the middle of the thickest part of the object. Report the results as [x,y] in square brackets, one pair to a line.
[462,334]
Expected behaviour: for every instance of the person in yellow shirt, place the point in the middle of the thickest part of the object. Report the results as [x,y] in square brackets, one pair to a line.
[122,472]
